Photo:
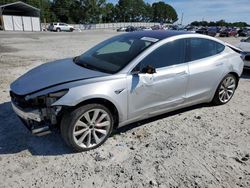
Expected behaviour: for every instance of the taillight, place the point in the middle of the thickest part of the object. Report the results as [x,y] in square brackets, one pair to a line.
[247,57]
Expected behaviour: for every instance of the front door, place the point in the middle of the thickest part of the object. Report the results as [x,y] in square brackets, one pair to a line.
[166,88]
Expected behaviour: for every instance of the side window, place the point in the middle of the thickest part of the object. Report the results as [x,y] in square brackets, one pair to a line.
[219,47]
[201,48]
[171,53]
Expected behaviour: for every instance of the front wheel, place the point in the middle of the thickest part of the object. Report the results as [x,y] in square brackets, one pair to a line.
[87,127]
[225,90]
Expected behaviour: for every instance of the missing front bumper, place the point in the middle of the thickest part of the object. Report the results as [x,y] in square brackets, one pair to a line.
[33,120]
[34,115]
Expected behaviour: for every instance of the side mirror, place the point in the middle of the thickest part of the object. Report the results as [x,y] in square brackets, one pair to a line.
[149,69]
[136,70]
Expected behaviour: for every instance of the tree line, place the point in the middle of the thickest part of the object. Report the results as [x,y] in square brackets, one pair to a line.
[100,11]
[221,23]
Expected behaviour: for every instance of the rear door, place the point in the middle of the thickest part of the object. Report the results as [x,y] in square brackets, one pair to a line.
[205,67]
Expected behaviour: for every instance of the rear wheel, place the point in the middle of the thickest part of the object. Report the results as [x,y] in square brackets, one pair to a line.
[58,30]
[87,127]
[226,90]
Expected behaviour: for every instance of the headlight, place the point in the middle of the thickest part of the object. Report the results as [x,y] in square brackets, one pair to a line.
[58,94]
[53,97]
[46,100]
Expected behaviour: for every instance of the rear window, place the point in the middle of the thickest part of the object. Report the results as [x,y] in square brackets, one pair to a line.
[219,47]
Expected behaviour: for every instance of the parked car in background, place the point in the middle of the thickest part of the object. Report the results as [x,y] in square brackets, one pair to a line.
[212,31]
[178,28]
[121,29]
[190,28]
[228,32]
[233,32]
[143,28]
[146,28]
[224,33]
[156,27]
[218,29]
[122,80]
[244,33]
[60,27]
[244,45]
[202,30]
[131,29]
[173,27]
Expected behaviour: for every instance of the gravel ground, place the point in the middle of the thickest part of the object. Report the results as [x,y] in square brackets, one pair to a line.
[202,146]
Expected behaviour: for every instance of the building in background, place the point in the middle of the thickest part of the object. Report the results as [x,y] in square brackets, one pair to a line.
[19,16]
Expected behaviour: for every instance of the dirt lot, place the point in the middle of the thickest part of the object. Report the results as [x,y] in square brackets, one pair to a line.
[202,146]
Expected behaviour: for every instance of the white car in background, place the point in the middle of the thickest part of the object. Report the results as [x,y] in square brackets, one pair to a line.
[58,27]
[244,45]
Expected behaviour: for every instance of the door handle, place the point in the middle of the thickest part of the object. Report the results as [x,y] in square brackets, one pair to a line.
[181,73]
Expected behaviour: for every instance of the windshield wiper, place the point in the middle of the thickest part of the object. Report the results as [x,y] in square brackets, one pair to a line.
[85,65]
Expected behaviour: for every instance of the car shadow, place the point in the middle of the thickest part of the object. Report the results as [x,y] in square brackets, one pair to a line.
[15,138]
[156,118]
[246,74]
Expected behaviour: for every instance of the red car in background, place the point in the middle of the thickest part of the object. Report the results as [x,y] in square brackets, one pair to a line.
[228,33]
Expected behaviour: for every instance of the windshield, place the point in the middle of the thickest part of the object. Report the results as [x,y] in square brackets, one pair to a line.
[113,54]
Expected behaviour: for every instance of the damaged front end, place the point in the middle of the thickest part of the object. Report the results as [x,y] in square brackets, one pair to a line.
[38,113]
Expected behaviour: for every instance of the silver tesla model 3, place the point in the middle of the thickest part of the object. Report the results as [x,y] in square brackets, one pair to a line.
[122,80]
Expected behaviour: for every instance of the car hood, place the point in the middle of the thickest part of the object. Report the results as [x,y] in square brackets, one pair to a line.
[51,74]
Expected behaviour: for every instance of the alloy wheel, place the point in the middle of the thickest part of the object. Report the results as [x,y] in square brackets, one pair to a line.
[91,128]
[227,89]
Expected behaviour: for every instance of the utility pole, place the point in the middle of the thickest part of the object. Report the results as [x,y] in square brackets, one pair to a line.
[182,17]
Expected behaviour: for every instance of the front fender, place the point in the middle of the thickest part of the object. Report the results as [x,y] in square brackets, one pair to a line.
[105,90]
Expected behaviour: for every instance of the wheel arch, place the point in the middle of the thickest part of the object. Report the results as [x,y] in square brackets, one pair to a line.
[236,76]
[233,73]
[105,102]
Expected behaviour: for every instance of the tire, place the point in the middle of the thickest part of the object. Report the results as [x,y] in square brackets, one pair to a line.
[71,29]
[58,30]
[225,90]
[87,127]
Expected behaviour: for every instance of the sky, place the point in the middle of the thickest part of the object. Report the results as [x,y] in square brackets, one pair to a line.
[209,10]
